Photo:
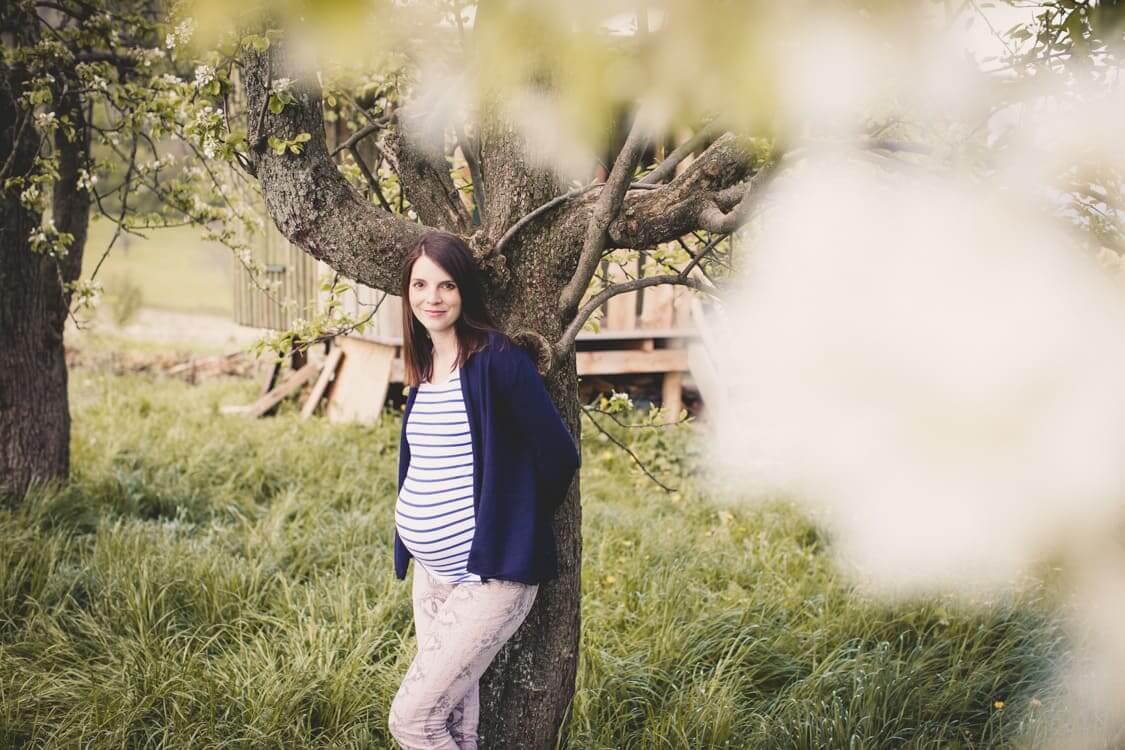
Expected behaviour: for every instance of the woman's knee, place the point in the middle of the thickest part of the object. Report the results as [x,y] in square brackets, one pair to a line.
[399,720]
[416,724]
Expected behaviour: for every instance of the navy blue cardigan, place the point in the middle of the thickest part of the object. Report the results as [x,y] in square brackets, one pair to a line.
[524,459]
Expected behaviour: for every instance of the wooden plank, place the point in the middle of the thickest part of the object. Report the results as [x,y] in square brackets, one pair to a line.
[360,388]
[706,378]
[624,362]
[645,333]
[621,314]
[658,313]
[331,362]
[275,396]
[672,396]
[271,379]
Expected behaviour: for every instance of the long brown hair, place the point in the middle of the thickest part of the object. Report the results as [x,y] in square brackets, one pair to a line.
[472,326]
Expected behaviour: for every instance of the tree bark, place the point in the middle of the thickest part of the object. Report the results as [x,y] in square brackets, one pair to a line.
[34,409]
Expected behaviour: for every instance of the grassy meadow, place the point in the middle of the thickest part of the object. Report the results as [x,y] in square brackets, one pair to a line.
[168,269]
[215,582]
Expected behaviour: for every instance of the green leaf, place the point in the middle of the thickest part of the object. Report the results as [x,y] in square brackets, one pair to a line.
[258,42]
[276,104]
[302,137]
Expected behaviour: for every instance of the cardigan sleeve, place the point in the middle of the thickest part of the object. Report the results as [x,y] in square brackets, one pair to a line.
[556,455]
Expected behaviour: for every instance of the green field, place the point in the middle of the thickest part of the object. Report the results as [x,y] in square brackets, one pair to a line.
[174,268]
[210,581]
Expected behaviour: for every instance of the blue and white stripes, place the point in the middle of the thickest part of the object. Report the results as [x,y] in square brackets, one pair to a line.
[434,513]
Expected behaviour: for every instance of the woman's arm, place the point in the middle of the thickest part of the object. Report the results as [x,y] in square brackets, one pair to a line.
[535,415]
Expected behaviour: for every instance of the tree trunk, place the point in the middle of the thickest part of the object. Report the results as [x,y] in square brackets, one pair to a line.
[34,411]
[527,692]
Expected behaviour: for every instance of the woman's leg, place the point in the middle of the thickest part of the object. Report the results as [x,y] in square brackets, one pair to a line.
[427,596]
[461,640]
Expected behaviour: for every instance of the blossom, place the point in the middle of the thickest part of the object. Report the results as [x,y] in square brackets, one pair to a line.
[204,74]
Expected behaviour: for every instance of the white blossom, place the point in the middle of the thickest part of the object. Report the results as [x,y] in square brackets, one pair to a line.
[86,181]
[182,35]
[204,74]
[30,195]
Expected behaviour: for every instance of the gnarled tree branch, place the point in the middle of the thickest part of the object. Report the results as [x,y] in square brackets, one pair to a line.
[425,174]
[605,210]
[309,200]
[652,217]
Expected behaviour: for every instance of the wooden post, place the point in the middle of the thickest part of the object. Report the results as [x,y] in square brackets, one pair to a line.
[672,395]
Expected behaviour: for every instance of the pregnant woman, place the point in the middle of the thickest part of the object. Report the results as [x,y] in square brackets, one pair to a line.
[485,459]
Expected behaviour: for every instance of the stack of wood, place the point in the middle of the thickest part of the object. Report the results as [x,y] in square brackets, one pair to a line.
[352,379]
[178,365]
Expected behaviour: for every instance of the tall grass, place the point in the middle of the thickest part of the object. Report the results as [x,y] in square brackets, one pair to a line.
[216,582]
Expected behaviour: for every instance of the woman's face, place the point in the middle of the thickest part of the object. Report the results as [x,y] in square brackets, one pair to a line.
[434,296]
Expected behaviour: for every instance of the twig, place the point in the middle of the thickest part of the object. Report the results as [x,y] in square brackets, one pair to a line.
[632,455]
[605,211]
[667,168]
[374,127]
[371,181]
[662,425]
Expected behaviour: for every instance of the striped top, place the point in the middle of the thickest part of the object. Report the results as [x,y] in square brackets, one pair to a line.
[434,513]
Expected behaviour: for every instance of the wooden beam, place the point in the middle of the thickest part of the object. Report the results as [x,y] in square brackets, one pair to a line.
[672,396]
[288,385]
[626,362]
[331,362]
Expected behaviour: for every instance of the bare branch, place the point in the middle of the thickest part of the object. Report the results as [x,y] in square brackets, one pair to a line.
[556,201]
[667,168]
[622,446]
[662,425]
[372,181]
[566,341]
[707,250]
[373,127]
[528,218]
[132,162]
[605,210]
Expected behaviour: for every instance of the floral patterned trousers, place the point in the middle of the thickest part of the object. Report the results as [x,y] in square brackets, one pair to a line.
[460,629]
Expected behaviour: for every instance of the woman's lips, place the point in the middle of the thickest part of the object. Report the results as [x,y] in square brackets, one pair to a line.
[435,313]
